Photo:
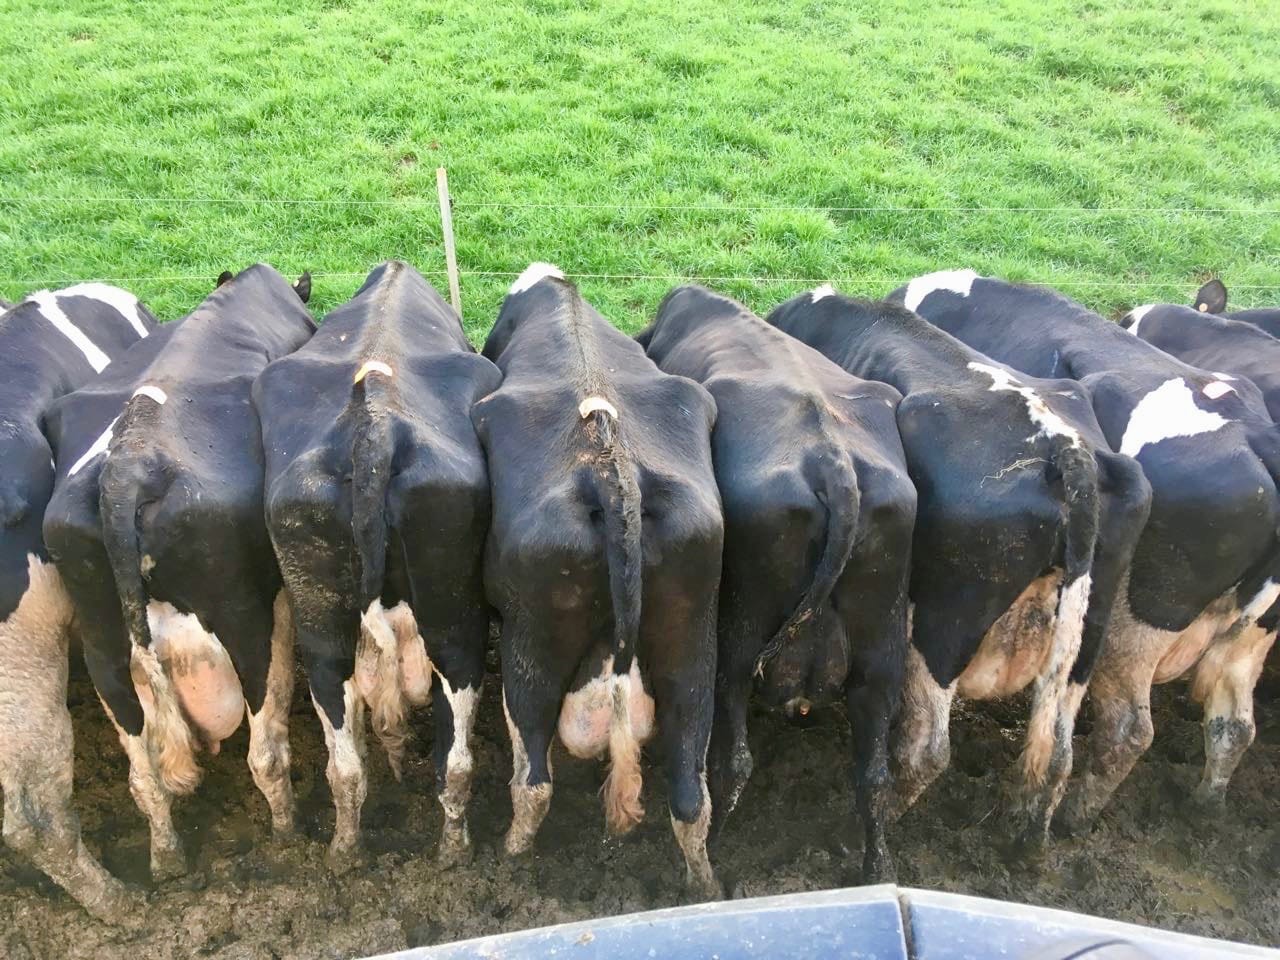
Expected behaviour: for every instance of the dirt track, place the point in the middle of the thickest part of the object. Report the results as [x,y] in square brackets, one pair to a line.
[1148,862]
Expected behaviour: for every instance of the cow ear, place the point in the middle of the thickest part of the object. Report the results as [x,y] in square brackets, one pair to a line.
[303,287]
[1212,297]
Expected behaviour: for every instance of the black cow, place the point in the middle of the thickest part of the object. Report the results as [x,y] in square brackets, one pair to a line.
[157,526]
[378,506]
[1025,526]
[1212,342]
[603,559]
[1212,298]
[1208,565]
[818,514]
[50,344]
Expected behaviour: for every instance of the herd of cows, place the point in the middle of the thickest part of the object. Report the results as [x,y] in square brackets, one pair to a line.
[970,488]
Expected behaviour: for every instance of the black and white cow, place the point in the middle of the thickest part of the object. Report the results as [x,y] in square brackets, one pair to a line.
[818,514]
[378,506]
[1025,525]
[157,527]
[603,559]
[1211,342]
[1207,568]
[1212,298]
[50,344]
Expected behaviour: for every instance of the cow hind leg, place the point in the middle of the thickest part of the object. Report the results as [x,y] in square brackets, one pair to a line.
[685,730]
[1122,732]
[269,727]
[155,800]
[455,715]
[1045,763]
[37,748]
[922,747]
[346,773]
[870,714]
[531,722]
[730,758]
[1224,683]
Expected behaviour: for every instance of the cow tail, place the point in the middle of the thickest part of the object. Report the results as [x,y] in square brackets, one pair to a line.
[377,654]
[839,492]
[128,476]
[619,492]
[1075,462]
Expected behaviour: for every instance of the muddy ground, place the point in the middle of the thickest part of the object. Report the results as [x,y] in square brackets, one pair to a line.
[1150,861]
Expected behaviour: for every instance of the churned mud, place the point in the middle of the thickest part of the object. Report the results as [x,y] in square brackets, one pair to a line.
[1150,860]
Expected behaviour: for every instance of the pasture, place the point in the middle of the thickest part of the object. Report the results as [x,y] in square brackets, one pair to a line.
[1121,152]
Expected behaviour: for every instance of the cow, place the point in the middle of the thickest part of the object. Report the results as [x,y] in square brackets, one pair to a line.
[603,560]
[1205,572]
[378,506]
[1025,525]
[1212,342]
[818,516]
[50,344]
[1212,298]
[157,526]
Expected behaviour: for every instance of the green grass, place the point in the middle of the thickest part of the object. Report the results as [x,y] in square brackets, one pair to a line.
[765,115]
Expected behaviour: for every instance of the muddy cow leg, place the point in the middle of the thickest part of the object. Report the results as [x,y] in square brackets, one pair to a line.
[922,747]
[156,803]
[683,714]
[871,708]
[531,701]
[269,727]
[37,749]
[458,664]
[1120,692]
[1224,683]
[1045,763]
[729,757]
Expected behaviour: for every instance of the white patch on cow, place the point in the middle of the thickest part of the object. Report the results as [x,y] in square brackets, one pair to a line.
[1261,601]
[1137,313]
[1222,376]
[152,393]
[372,366]
[819,293]
[1050,424]
[592,404]
[957,281]
[1167,411]
[1217,389]
[533,273]
[121,301]
[99,446]
[47,301]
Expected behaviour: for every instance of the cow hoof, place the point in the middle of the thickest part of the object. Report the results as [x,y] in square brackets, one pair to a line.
[1073,822]
[1207,800]
[878,870]
[517,846]
[343,861]
[454,852]
[167,864]
[704,889]
[119,907]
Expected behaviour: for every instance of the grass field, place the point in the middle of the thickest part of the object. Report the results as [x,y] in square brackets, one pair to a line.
[699,139]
